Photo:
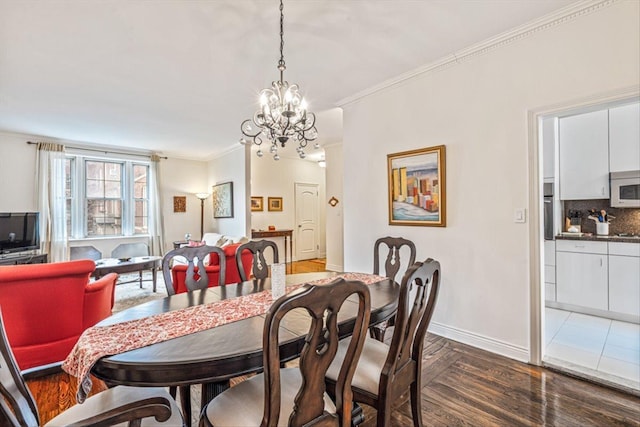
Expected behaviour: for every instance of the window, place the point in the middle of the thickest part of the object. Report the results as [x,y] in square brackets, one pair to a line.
[112,200]
[141,198]
[69,165]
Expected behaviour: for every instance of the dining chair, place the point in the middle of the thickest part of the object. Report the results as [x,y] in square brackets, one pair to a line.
[137,406]
[392,266]
[385,372]
[296,396]
[259,268]
[194,280]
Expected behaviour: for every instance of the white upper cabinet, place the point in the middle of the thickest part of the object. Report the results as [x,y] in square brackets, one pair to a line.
[584,156]
[624,138]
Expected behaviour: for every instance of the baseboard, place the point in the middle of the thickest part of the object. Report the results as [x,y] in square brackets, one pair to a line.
[334,267]
[479,341]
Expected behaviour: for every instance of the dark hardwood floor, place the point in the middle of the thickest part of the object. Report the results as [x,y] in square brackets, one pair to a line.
[465,386]
[462,386]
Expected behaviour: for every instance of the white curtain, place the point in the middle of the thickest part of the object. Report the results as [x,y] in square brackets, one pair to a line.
[50,182]
[156,221]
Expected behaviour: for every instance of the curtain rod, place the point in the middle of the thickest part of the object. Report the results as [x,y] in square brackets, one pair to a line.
[102,151]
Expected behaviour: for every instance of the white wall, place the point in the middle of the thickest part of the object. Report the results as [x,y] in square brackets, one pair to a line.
[232,166]
[181,177]
[17,172]
[335,229]
[178,178]
[478,109]
[270,178]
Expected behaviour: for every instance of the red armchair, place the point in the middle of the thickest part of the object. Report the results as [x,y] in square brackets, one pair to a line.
[46,307]
[178,272]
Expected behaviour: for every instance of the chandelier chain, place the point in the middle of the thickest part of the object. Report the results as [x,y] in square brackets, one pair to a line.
[281,64]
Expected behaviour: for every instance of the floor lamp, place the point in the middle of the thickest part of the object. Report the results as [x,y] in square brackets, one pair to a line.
[202,197]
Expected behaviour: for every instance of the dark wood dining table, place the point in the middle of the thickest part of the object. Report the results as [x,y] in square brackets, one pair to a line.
[215,355]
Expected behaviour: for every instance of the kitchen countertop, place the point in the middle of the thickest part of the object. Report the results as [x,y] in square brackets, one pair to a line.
[594,238]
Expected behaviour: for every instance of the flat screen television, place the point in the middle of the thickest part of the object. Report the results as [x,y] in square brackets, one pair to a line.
[19,231]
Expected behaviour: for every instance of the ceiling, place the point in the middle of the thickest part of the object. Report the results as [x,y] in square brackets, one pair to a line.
[179,76]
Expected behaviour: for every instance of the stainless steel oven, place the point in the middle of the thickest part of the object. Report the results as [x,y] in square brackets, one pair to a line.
[625,189]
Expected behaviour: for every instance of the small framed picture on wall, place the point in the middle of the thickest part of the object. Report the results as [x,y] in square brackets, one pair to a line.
[275,204]
[256,203]
[179,203]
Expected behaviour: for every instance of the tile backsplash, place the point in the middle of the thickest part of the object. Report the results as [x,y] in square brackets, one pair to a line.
[626,220]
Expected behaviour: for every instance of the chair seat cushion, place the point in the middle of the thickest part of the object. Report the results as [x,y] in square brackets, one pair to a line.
[370,364]
[100,402]
[243,404]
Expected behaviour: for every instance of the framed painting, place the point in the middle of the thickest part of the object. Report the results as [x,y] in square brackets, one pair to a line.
[256,203]
[223,200]
[179,203]
[417,192]
[275,204]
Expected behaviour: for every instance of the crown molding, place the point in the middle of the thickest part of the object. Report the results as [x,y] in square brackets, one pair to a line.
[554,19]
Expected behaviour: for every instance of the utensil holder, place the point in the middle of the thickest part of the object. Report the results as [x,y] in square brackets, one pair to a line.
[602,228]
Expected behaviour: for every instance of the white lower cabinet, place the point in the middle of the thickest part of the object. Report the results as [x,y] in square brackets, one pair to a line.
[581,275]
[624,278]
[550,270]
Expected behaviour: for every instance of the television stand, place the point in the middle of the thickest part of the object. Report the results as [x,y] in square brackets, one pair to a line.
[35,258]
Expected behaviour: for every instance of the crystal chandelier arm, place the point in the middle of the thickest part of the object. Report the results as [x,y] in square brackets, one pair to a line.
[245,129]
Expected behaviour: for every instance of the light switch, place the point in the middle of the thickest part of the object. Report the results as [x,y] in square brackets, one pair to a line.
[520,215]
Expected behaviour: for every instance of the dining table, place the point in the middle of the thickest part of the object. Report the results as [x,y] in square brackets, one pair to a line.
[213,356]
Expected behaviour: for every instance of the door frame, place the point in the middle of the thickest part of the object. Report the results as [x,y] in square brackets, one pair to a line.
[536,178]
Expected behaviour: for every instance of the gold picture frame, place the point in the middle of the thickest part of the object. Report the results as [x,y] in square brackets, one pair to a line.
[179,203]
[417,191]
[274,204]
[256,203]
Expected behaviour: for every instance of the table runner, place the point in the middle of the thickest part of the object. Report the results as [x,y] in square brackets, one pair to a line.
[100,341]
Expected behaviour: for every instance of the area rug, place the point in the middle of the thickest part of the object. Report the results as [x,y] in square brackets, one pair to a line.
[130,294]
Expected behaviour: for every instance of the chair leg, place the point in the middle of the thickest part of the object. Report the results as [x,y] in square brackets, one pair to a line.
[140,273]
[376,333]
[384,413]
[416,403]
[185,401]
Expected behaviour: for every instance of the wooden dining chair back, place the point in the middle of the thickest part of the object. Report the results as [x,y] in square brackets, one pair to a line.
[392,265]
[259,267]
[194,256]
[116,405]
[392,262]
[298,394]
[385,372]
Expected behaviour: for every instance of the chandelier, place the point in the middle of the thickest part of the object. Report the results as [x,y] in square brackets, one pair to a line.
[283,114]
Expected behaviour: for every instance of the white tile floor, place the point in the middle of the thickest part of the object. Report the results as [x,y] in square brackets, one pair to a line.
[599,347]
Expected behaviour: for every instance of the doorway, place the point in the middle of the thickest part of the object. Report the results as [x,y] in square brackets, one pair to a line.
[586,338]
[306,220]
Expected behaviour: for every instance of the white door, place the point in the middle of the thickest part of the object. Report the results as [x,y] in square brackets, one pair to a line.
[306,232]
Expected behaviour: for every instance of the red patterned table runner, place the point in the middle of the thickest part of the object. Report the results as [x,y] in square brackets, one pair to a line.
[100,341]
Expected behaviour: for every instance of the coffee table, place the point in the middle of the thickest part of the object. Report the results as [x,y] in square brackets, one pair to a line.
[128,265]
